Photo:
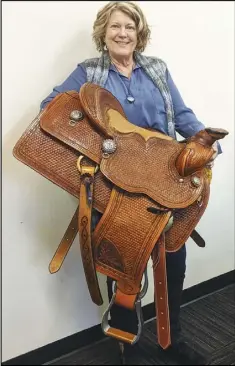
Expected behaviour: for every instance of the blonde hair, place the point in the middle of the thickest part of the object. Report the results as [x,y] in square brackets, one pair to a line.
[133,11]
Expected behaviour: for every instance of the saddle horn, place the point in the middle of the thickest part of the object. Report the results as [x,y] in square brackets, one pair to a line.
[198,150]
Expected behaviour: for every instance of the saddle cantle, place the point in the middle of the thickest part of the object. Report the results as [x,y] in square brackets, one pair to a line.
[151,190]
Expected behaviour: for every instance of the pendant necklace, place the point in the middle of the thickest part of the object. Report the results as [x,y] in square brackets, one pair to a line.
[129,97]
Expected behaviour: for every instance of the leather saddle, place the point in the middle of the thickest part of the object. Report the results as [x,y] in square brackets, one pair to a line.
[150,189]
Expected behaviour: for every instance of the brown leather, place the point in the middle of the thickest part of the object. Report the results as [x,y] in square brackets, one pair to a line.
[81,136]
[187,219]
[65,244]
[138,187]
[198,151]
[122,249]
[96,102]
[161,294]
[127,301]
[120,335]
[84,226]
[141,168]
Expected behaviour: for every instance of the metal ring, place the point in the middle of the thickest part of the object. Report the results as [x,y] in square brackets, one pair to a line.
[79,164]
[72,122]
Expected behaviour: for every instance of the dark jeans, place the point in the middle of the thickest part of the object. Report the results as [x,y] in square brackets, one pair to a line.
[176,265]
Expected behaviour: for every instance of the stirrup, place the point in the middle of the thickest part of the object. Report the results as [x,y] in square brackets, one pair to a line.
[119,334]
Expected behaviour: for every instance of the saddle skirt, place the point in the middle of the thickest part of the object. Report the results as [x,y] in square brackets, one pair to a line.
[151,191]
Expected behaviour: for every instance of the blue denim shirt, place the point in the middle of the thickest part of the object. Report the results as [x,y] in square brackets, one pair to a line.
[148,110]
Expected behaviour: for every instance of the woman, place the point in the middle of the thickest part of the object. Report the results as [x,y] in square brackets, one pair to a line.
[150,99]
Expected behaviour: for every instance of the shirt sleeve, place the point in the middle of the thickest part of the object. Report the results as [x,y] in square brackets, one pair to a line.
[186,122]
[73,82]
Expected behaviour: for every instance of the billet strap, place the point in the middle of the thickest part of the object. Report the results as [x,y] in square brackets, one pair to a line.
[161,293]
[64,245]
[84,226]
[198,239]
[81,222]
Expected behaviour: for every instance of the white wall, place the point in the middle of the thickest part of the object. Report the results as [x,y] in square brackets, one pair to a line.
[42,44]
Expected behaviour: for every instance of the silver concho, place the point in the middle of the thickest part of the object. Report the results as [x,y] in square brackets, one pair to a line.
[108,147]
[75,116]
[196,181]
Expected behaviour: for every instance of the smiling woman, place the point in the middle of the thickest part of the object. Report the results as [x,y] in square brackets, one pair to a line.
[150,99]
[121,41]
[121,28]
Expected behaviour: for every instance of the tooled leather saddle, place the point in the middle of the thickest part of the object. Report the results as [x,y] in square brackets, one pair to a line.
[151,190]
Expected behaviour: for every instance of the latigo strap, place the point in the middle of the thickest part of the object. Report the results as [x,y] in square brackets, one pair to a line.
[84,226]
[65,244]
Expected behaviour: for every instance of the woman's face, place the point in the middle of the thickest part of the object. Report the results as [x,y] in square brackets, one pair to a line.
[121,35]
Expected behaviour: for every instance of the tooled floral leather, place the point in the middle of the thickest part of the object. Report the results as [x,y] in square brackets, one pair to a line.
[108,254]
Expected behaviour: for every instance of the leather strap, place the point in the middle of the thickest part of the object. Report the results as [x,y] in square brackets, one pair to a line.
[161,293]
[84,226]
[198,239]
[124,300]
[65,244]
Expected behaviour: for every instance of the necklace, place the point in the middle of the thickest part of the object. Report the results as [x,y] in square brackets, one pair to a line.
[129,97]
